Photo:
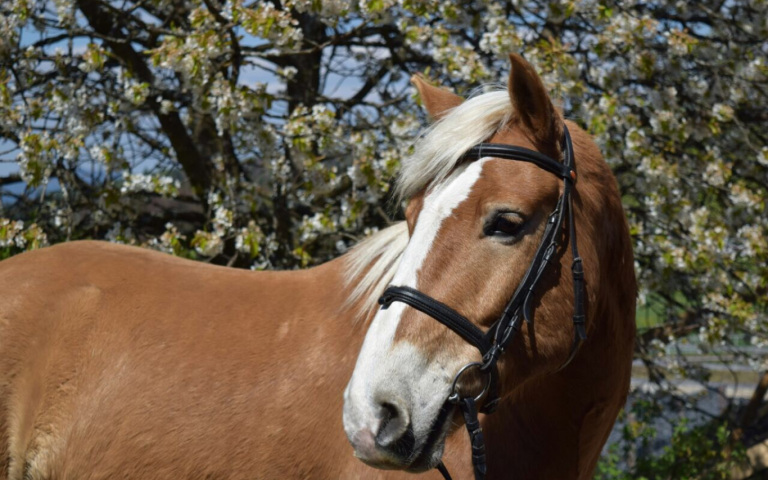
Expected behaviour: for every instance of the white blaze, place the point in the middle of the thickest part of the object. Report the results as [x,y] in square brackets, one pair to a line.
[401,371]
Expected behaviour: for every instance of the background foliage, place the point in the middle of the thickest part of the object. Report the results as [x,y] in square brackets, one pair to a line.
[265,134]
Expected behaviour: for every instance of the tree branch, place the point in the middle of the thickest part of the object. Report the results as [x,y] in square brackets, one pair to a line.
[10,179]
[196,167]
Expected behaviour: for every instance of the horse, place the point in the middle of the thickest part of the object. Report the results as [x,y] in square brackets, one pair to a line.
[121,362]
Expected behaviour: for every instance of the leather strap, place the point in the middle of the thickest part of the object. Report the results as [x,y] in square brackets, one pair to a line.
[443,471]
[476,439]
[513,152]
[440,312]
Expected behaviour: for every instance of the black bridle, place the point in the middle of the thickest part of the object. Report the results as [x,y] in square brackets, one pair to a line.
[492,343]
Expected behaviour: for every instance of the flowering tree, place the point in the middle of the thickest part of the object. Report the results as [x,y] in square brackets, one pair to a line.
[266,135]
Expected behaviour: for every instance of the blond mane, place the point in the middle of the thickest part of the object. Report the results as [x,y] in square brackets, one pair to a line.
[372,263]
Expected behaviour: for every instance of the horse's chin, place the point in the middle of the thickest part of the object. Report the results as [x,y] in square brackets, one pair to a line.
[427,460]
[431,452]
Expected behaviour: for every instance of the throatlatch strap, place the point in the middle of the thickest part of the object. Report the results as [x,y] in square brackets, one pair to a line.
[439,311]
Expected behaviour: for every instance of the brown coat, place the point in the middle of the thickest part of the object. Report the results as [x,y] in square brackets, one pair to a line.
[118,362]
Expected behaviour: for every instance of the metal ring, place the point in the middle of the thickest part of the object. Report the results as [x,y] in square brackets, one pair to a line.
[454,396]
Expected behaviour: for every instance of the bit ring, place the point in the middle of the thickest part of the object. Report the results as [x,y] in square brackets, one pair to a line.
[454,397]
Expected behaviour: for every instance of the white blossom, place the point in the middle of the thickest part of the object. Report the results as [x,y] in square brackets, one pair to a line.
[140,182]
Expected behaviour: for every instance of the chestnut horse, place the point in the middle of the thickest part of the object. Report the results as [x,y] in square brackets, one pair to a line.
[118,362]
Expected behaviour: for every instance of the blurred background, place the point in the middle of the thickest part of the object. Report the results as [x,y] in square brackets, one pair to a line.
[266,134]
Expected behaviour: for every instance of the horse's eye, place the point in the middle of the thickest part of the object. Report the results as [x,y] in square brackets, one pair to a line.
[503,224]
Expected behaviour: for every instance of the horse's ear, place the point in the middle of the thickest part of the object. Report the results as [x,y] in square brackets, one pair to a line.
[437,101]
[532,104]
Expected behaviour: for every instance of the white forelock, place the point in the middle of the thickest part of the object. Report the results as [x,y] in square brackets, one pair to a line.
[439,150]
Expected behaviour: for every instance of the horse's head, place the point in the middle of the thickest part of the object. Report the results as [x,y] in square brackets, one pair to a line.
[474,229]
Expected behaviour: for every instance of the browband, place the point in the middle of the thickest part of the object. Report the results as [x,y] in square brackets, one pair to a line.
[513,152]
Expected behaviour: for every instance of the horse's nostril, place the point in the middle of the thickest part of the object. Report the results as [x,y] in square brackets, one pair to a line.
[394,423]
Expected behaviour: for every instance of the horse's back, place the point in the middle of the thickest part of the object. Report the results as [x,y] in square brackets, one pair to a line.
[120,362]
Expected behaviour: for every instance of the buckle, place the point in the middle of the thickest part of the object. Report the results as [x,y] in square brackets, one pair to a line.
[577,267]
[489,359]
[508,331]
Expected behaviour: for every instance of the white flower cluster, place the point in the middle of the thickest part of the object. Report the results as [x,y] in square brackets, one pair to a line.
[120,234]
[315,225]
[310,131]
[169,241]
[211,243]
[249,240]
[208,244]
[463,65]
[267,22]
[93,58]
[14,235]
[135,92]
[11,233]
[65,11]
[222,220]
[36,158]
[372,168]
[500,36]
[10,25]
[762,156]
[330,11]
[722,112]
[142,182]
[230,104]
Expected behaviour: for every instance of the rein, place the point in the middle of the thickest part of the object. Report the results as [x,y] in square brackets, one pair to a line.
[492,343]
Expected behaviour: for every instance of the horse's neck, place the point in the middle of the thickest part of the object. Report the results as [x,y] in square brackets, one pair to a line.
[321,291]
[319,342]
[318,296]
[570,413]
